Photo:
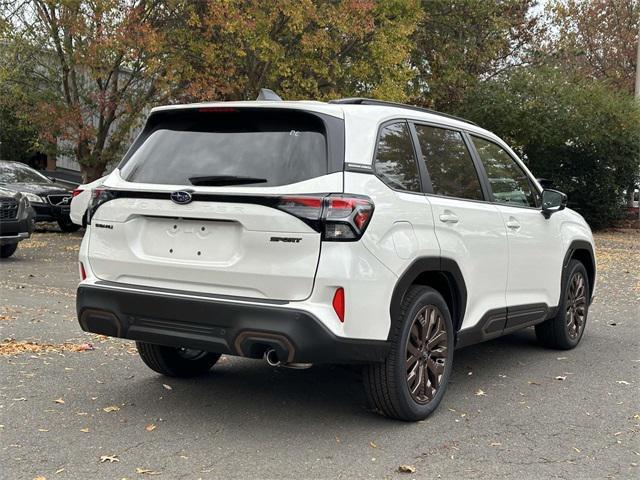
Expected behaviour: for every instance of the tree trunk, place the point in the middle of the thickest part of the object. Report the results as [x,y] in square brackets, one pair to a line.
[92,172]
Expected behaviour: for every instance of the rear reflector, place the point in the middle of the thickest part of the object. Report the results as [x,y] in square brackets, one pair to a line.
[83,273]
[76,192]
[338,303]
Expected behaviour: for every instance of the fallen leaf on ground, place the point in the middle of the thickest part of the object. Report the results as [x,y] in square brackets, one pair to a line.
[562,358]
[577,449]
[531,382]
[109,458]
[43,429]
[480,393]
[112,408]
[373,445]
[623,382]
[59,400]
[407,469]
[146,471]
[150,428]
[15,347]
[168,387]
[561,377]
[39,477]
[84,430]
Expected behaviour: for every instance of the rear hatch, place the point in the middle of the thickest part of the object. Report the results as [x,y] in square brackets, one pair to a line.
[216,200]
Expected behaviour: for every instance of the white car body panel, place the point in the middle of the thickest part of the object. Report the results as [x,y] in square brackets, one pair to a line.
[80,202]
[477,242]
[208,247]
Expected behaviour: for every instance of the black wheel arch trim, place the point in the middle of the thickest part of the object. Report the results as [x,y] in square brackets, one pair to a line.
[452,274]
[579,245]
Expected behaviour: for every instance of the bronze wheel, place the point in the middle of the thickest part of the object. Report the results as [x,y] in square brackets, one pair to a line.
[566,328]
[576,306]
[411,381]
[426,354]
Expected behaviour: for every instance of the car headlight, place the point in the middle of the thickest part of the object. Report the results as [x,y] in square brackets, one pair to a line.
[33,198]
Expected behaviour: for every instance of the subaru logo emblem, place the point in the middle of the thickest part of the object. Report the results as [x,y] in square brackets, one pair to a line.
[181,197]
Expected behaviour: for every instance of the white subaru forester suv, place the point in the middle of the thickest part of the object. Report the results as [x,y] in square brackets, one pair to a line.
[354,231]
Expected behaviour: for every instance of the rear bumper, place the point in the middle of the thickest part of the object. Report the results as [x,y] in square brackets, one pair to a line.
[216,325]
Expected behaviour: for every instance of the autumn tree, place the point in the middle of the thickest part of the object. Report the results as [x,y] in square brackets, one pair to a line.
[299,48]
[460,43]
[597,39]
[89,68]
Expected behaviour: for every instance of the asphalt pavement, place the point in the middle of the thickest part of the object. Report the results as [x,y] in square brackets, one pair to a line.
[77,406]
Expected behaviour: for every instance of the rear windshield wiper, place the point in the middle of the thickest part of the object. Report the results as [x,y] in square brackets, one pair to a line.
[213,180]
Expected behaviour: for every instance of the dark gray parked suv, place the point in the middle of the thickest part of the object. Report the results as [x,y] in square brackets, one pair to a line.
[16,221]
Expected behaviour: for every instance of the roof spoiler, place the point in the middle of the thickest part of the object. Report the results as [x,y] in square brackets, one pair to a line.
[268,95]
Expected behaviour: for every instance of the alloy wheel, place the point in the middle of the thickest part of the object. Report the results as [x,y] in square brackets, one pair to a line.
[576,305]
[427,354]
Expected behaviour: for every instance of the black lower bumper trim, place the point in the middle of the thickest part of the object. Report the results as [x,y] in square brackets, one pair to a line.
[50,213]
[216,326]
[12,231]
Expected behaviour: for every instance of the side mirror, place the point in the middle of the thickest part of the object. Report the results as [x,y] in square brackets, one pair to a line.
[53,179]
[552,201]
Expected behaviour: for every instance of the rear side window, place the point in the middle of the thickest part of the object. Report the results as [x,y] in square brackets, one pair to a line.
[395,162]
[508,181]
[228,146]
[449,163]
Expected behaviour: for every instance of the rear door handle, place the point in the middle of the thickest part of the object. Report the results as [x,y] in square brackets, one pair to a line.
[448,217]
[513,224]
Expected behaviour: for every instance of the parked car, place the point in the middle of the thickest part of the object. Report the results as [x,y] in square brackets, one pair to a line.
[354,231]
[16,221]
[80,201]
[50,201]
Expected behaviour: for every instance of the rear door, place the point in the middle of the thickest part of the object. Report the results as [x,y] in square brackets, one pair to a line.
[215,200]
[468,227]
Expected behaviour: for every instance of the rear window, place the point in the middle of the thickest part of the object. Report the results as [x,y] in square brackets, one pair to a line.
[228,146]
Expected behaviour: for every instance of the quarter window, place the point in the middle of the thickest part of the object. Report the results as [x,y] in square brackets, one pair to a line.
[509,183]
[395,162]
[449,163]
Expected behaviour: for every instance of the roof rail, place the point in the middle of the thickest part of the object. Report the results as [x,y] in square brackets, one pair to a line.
[371,101]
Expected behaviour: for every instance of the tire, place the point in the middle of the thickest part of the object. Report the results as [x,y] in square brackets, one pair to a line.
[565,330]
[388,384]
[176,362]
[7,250]
[66,225]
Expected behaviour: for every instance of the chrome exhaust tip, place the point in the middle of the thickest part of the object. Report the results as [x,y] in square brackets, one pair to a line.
[271,356]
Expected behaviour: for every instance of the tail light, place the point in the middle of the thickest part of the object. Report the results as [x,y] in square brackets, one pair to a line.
[98,197]
[338,217]
[83,273]
[76,192]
